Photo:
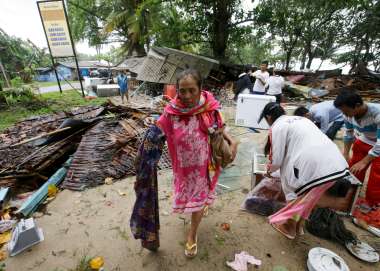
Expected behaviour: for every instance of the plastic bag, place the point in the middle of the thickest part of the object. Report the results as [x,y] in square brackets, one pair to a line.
[6,225]
[266,198]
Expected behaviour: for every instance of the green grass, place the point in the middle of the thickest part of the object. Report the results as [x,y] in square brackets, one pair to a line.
[56,102]
[83,264]
[49,84]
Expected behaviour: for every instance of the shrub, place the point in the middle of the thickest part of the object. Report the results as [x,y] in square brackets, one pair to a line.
[17,82]
[23,96]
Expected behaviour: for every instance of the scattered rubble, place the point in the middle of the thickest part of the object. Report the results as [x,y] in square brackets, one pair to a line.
[327,84]
[102,142]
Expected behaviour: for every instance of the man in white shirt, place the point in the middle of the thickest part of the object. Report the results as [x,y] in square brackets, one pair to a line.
[261,79]
[274,85]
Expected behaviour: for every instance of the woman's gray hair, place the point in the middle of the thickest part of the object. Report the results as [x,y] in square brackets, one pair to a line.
[195,74]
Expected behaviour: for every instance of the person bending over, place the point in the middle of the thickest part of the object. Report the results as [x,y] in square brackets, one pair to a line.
[325,115]
[312,168]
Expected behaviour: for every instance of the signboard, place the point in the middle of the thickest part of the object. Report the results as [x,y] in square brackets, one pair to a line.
[54,20]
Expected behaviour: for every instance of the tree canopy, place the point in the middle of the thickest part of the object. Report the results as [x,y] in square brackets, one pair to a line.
[281,31]
[20,58]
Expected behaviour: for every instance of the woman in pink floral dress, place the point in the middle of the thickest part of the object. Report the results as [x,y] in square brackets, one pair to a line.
[185,122]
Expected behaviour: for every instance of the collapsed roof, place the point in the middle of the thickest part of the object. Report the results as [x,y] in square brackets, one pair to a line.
[162,65]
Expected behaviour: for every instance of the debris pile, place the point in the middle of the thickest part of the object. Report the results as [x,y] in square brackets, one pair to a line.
[107,150]
[81,148]
[25,162]
[102,141]
[327,84]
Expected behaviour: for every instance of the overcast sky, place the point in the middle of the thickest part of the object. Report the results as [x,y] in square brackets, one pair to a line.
[20,18]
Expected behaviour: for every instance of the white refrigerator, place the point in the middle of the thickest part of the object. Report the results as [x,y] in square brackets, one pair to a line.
[249,107]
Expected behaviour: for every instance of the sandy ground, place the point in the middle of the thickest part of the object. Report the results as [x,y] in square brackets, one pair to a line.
[96,223]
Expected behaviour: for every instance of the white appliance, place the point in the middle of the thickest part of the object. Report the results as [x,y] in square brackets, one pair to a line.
[249,107]
[92,82]
[108,90]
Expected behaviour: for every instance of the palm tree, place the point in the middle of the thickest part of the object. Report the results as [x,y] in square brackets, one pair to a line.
[132,17]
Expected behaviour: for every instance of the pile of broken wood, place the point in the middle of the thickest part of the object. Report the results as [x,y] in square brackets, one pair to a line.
[327,84]
[102,141]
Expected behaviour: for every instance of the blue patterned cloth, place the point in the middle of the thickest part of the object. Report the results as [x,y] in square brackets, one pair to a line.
[145,221]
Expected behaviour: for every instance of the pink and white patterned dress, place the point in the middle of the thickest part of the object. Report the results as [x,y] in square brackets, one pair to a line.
[190,151]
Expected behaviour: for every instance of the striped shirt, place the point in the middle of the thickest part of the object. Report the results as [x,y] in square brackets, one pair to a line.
[366,129]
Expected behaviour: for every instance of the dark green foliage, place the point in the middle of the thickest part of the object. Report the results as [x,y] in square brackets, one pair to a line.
[20,96]
[20,57]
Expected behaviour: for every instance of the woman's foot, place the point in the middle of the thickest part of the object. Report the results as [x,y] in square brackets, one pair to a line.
[300,227]
[191,247]
[205,211]
[286,230]
[301,231]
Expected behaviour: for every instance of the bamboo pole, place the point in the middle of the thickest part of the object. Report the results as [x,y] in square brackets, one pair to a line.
[40,136]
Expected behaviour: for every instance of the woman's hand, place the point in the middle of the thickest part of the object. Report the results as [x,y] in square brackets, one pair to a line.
[149,121]
[361,165]
[346,156]
[268,174]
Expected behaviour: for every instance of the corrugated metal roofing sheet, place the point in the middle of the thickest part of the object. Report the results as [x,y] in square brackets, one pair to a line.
[133,64]
[163,64]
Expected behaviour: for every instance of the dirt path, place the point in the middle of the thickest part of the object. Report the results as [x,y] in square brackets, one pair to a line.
[96,223]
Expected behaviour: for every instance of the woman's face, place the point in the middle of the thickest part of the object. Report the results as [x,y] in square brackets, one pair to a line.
[188,91]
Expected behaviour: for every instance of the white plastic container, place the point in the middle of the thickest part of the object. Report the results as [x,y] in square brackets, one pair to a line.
[24,235]
[249,107]
[92,82]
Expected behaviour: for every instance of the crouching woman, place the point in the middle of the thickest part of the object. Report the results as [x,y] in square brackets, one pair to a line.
[312,169]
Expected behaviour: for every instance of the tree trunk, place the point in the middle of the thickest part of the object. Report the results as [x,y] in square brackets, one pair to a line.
[356,58]
[309,61]
[147,39]
[367,48]
[288,57]
[136,49]
[303,60]
[310,56]
[220,29]
[320,65]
